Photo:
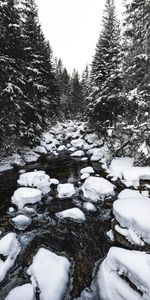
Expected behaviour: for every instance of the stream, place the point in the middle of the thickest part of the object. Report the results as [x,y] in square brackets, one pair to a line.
[83,243]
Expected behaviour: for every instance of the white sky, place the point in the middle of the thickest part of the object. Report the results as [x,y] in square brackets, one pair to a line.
[72,27]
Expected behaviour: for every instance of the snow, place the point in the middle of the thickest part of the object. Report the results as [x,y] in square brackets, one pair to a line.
[40,150]
[97,188]
[143,149]
[5,167]
[131,210]
[23,196]
[89,206]
[24,292]
[118,165]
[65,190]
[110,235]
[133,175]
[78,143]
[84,176]
[31,156]
[92,138]
[78,153]
[9,248]
[89,170]
[36,179]
[50,273]
[61,148]
[84,159]
[21,222]
[54,181]
[98,154]
[134,265]
[73,213]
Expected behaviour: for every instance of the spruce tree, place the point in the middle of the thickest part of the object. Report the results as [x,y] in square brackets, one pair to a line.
[106,79]
[76,95]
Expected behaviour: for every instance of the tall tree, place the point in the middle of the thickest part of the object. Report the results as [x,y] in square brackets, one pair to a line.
[76,95]
[106,78]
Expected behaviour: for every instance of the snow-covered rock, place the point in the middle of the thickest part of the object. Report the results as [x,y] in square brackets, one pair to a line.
[31,156]
[40,150]
[97,188]
[131,210]
[54,181]
[65,190]
[92,138]
[23,292]
[98,154]
[118,165]
[61,148]
[133,175]
[21,222]
[110,235]
[36,179]
[84,176]
[23,196]
[5,167]
[50,273]
[84,159]
[78,153]
[134,265]
[78,143]
[89,170]
[72,213]
[48,137]
[9,248]
[89,206]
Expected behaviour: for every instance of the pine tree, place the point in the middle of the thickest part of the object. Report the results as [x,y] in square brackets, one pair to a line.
[76,95]
[106,79]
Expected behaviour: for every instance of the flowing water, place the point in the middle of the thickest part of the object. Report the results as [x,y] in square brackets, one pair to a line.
[83,243]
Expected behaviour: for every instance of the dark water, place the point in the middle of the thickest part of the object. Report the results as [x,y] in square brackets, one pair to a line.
[83,243]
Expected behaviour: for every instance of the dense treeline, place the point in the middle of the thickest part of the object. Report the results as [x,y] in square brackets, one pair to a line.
[34,91]
[117,88]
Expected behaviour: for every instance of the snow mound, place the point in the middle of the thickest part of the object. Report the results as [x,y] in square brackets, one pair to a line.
[54,181]
[133,175]
[118,165]
[24,292]
[73,213]
[36,179]
[96,188]
[50,273]
[40,150]
[21,222]
[31,156]
[131,210]
[84,176]
[89,206]
[134,265]
[65,190]
[78,153]
[9,248]
[23,196]
[89,170]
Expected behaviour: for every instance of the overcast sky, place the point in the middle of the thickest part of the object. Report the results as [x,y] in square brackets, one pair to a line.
[72,27]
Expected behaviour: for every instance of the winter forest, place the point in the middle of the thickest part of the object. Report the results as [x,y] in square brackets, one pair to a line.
[75,160]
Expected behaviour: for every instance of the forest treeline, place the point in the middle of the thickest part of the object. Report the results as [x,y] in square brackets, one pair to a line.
[36,89]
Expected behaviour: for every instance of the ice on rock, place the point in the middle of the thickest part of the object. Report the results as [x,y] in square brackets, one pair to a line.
[72,213]
[89,170]
[131,210]
[78,153]
[89,206]
[21,222]
[36,179]
[40,150]
[84,176]
[50,273]
[24,292]
[97,188]
[9,248]
[133,175]
[31,156]
[65,190]
[61,148]
[118,165]
[23,196]
[134,265]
